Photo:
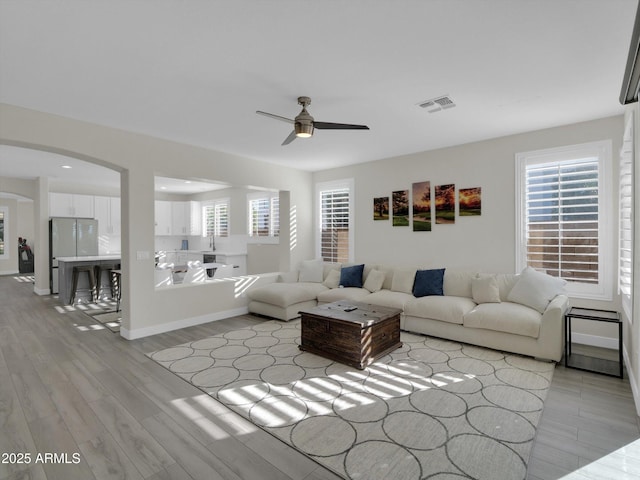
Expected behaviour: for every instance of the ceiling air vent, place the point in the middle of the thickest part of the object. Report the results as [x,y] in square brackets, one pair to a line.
[436,104]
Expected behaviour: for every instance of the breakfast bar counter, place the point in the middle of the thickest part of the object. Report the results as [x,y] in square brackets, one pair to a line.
[65,274]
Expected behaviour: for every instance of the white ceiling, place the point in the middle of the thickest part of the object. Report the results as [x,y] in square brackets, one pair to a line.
[196,71]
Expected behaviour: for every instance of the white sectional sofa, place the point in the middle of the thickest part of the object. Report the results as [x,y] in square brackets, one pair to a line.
[519,313]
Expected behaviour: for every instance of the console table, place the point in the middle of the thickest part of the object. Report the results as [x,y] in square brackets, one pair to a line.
[585,362]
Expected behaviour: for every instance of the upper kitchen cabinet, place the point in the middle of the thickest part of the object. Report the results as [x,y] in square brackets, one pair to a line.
[180,218]
[71,205]
[107,212]
[163,217]
[195,227]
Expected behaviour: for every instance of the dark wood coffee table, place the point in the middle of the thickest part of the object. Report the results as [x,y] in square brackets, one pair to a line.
[353,333]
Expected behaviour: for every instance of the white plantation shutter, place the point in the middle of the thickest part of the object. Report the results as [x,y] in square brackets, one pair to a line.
[275,216]
[564,216]
[222,219]
[625,265]
[216,218]
[335,240]
[562,219]
[264,216]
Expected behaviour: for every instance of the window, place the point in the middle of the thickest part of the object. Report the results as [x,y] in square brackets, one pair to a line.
[4,234]
[264,214]
[564,223]
[215,218]
[335,225]
[625,253]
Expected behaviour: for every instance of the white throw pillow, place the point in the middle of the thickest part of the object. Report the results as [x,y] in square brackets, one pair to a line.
[332,280]
[403,280]
[535,289]
[374,281]
[311,271]
[484,289]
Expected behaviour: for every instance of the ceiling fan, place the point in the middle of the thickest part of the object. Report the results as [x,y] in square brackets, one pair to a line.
[304,124]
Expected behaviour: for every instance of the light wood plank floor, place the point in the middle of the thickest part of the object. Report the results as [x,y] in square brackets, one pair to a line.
[67,385]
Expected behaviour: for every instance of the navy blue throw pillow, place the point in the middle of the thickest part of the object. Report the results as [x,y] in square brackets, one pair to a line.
[428,282]
[351,276]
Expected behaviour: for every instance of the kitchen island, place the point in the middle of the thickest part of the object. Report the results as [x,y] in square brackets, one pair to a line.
[65,275]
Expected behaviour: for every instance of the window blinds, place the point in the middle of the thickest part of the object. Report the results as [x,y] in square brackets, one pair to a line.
[625,265]
[562,216]
[334,212]
[216,219]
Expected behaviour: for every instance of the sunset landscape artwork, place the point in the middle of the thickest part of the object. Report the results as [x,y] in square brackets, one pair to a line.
[421,206]
[470,200]
[445,203]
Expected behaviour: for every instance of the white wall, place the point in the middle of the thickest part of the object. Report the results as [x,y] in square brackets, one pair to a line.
[139,159]
[486,242]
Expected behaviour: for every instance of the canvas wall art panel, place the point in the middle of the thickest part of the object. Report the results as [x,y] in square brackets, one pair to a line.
[400,201]
[421,194]
[445,199]
[470,201]
[381,208]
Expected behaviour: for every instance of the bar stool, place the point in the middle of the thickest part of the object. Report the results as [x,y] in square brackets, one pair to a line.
[77,270]
[116,278]
[105,267]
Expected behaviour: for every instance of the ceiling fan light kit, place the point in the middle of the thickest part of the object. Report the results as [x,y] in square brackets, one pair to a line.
[304,124]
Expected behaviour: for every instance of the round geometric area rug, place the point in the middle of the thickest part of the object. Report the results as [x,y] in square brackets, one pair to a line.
[431,409]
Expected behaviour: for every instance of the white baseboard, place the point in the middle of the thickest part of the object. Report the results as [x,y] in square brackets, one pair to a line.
[9,272]
[42,291]
[183,323]
[632,381]
[595,340]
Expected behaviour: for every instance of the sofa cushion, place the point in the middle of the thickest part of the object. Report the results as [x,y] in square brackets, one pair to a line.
[374,281]
[428,282]
[458,284]
[505,317]
[332,280]
[535,289]
[311,271]
[387,298]
[403,280]
[349,293]
[484,289]
[330,267]
[506,281]
[288,277]
[285,294]
[444,308]
[351,276]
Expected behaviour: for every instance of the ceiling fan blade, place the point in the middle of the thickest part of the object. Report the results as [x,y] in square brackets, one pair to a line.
[290,138]
[277,117]
[338,126]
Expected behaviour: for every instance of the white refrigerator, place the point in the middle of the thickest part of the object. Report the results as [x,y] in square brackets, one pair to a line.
[70,237]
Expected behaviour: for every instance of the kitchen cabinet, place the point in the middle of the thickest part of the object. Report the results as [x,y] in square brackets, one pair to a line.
[71,205]
[180,257]
[107,212]
[163,217]
[238,260]
[180,218]
[195,218]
